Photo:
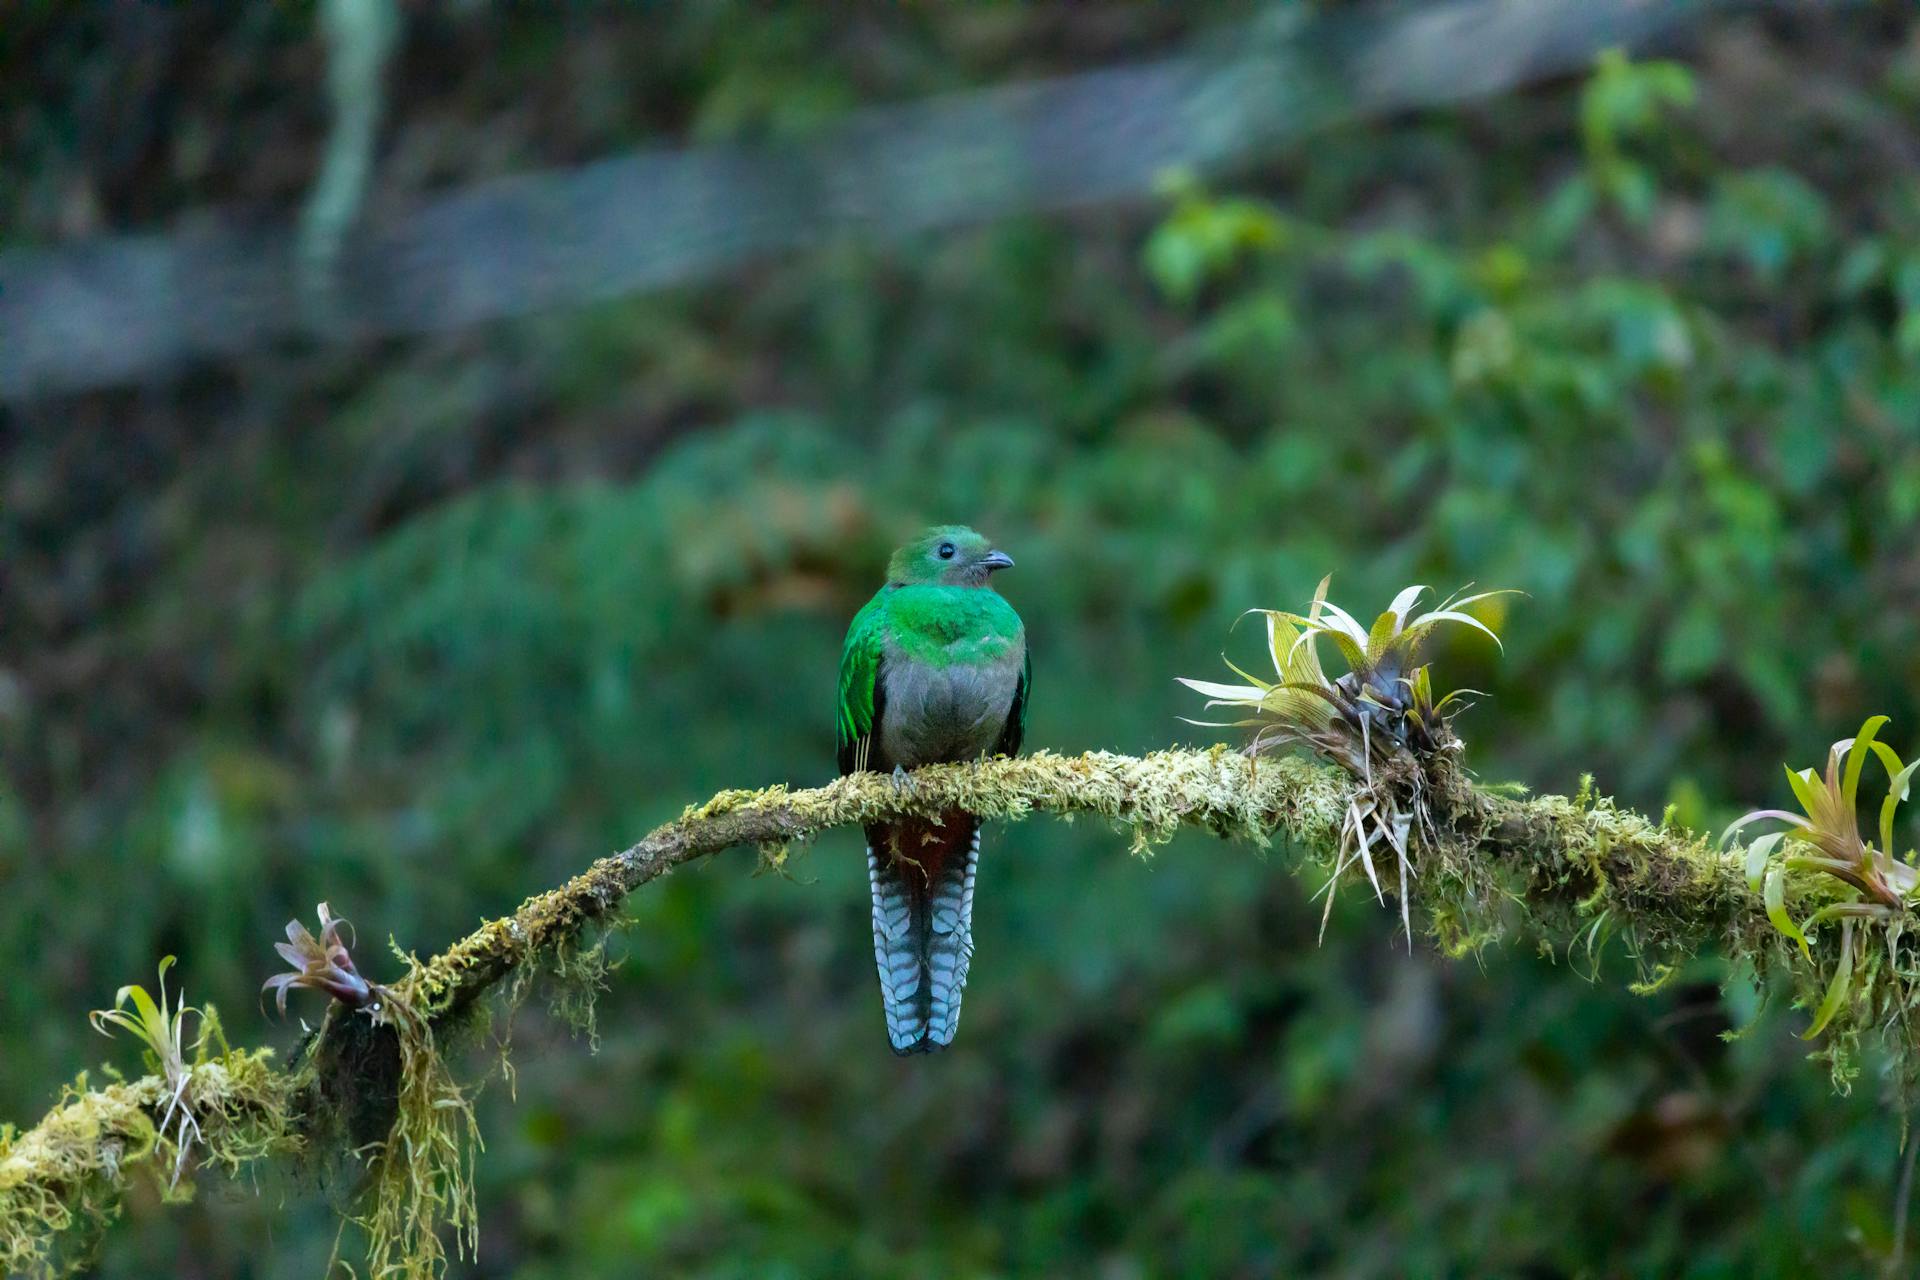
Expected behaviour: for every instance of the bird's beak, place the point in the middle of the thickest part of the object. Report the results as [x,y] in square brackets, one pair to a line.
[996,560]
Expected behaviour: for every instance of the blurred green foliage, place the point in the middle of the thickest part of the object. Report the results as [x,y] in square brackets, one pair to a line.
[420,628]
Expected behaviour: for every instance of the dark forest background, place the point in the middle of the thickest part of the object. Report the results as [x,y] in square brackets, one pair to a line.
[420,625]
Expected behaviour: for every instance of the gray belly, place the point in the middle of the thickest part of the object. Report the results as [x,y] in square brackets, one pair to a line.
[940,714]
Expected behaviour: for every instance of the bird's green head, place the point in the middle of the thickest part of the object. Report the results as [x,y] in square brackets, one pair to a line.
[946,555]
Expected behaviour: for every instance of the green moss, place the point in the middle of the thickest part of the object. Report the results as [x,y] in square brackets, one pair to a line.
[63,1179]
[421,1170]
[1570,873]
[579,975]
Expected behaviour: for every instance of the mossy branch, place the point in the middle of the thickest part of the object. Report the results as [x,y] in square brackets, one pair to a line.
[70,1170]
[1571,868]
[1218,790]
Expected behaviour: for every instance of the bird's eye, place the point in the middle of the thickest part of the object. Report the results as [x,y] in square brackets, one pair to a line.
[945,551]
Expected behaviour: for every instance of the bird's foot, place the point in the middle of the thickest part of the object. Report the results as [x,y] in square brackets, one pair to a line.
[902,781]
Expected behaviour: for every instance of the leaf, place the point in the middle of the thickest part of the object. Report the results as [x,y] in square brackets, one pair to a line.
[1896,792]
[1366,849]
[1845,910]
[1403,603]
[1452,615]
[1248,676]
[1857,758]
[1354,651]
[1233,694]
[1319,599]
[1338,621]
[1803,784]
[1280,653]
[1461,602]
[1775,896]
[1837,989]
[151,1014]
[1386,628]
[1757,855]
[1301,665]
[1889,758]
[1745,819]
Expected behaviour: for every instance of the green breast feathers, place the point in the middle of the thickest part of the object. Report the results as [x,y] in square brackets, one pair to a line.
[926,637]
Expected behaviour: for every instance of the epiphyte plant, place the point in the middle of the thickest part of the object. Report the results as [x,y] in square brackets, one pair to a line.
[1379,721]
[1860,882]
[162,1033]
[321,964]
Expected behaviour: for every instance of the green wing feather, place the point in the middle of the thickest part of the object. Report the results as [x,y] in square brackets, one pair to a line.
[1016,728]
[860,687]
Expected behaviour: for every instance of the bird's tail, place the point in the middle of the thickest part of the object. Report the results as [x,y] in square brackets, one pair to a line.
[922,879]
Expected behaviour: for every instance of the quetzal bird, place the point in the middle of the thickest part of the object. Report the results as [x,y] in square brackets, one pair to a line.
[935,669]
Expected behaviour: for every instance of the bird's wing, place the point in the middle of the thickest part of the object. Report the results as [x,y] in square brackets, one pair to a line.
[862,688]
[1015,730]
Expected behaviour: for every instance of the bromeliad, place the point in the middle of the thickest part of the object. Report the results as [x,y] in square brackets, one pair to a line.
[935,669]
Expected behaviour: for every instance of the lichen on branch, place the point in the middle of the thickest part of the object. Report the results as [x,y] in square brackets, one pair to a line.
[71,1170]
[1569,869]
[1152,795]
